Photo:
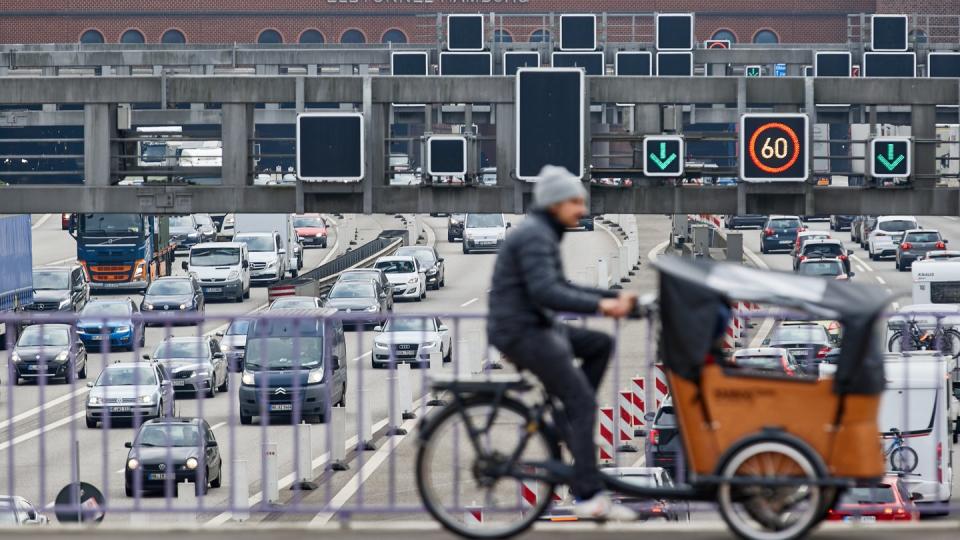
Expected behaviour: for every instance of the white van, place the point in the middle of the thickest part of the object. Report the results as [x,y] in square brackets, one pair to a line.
[222,268]
[484,232]
[281,224]
[268,259]
[917,403]
[936,282]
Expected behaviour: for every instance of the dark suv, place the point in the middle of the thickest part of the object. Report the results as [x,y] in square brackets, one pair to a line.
[666,447]
[455,227]
[59,288]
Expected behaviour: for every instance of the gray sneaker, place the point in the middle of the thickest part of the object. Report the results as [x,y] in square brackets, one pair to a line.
[601,507]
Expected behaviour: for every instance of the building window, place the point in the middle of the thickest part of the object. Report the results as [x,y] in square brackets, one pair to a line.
[173,36]
[540,36]
[91,36]
[353,36]
[311,36]
[132,36]
[725,34]
[269,36]
[394,36]
[502,36]
[766,36]
[918,36]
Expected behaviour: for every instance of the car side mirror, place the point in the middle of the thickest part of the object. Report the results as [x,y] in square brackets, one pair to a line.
[184,265]
[89,384]
[212,444]
[335,360]
[509,224]
[218,355]
[440,259]
[766,341]
[128,444]
[146,357]
[219,334]
[945,241]
[378,328]
[245,264]
[649,416]
[916,496]
[282,251]
[443,328]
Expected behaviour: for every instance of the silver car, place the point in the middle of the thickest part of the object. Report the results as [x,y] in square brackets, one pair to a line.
[133,391]
[414,341]
[195,364]
[233,343]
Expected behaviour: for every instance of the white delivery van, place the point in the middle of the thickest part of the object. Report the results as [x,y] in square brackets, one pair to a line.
[222,268]
[281,224]
[936,282]
[484,232]
[914,412]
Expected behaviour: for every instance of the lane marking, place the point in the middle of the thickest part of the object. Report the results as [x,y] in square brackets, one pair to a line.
[862,262]
[881,280]
[468,302]
[859,268]
[60,261]
[39,431]
[43,219]
[36,410]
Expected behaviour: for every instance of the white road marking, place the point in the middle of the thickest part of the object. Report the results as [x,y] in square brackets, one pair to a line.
[39,431]
[859,268]
[657,250]
[881,280]
[468,302]
[60,261]
[862,263]
[616,239]
[56,401]
[43,219]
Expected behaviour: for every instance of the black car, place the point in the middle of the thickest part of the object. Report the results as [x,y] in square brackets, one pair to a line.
[48,350]
[174,294]
[195,364]
[780,233]
[374,274]
[840,223]
[455,227]
[752,221]
[808,342]
[169,451]
[430,261]
[59,288]
[184,232]
[666,448]
[365,300]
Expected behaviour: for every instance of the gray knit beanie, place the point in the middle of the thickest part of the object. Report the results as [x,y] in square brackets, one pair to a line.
[556,184]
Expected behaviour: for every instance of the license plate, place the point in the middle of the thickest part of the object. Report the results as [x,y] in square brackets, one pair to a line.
[214,289]
[487,243]
[161,476]
[785,241]
[96,337]
[406,353]
[178,383]
[281,407]
[863,519]
[33,367]
[119,409]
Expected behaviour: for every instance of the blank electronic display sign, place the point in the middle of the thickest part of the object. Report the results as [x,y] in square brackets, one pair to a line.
[466,63]
[578,32]
[550,116]
[330,146]
[408,63]
[678,64]
[633,63]
[674,31]
[514,60]
[889,64]
[465,32]
[943,64]
[832,64]
[447,155]
[888,33]
[591,62]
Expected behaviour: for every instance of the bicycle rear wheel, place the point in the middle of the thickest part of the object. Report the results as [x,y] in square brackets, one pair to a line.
[453,478]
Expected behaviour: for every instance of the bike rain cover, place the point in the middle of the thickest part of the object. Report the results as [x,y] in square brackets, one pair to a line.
[695,300]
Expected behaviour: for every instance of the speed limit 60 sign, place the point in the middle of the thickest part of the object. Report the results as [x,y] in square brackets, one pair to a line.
[773,147]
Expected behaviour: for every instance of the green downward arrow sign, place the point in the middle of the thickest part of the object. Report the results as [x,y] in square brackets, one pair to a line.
[890,161]
[664,160]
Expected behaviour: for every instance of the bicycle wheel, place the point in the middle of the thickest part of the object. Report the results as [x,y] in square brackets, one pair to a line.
[895,343]
[950,342]
[770,512]
[453,478]
[903,459]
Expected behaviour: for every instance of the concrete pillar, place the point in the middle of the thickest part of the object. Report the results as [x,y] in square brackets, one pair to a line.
[735,247]
[375,131]
[236,132]
[701,240]
[99,127]
[923,125]
[506,157]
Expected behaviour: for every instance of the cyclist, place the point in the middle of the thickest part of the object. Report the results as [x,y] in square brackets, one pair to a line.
[528,289]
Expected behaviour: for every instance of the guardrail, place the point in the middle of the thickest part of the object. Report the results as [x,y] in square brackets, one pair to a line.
[244,471]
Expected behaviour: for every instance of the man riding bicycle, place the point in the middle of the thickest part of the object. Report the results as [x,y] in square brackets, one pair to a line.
[528,289]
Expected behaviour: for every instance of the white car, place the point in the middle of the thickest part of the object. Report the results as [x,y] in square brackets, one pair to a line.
[484,232]
[884,238]
[404,272]
[268,261]
[413,341]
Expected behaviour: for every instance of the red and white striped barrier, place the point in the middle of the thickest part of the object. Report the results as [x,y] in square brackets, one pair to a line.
[278,291]
[606,435]
[528,494]
[473,515]
[628,419]
[638,395]
[660,388]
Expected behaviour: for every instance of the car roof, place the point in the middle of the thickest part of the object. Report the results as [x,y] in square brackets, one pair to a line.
[295,297]
[813,233]
[174,420]
[389,258]
[52,326]
[821,260]
[185,339]
[783,217]
[300,313]
[219,244]
[362,271]
[822,241]
[128,364]
[124,301]
[174,278]
[908,231]
[896,218]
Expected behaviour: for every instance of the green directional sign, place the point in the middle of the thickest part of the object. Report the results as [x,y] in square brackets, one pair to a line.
[890,157]
[753,71]
[663,155]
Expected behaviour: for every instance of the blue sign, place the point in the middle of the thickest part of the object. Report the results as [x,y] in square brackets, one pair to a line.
[779,70]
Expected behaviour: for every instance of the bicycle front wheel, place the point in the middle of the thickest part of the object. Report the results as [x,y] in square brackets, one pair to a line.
[453,472]
[903,459]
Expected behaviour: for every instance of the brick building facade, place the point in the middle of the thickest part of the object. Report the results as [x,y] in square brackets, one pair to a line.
[414,21]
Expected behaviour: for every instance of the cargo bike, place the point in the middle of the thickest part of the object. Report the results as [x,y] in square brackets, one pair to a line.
[773,452]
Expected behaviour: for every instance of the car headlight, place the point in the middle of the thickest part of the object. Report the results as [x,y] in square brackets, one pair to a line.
[147,306]
[147,399]
[431,344]
[192,463]
[372,308]
[433,271]
[133,463]
[203,373]
[183,306]
[248,379]
[233,275]
[315,376]
[122,329]
[62,357]
[381,346]
[95,400]
[65,303]
[14,357]
[413,280]
[271,264]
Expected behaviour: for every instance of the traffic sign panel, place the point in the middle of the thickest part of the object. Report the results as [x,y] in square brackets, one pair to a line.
[716,44]
[753,71]
[663,155]
[773,147]
[330,146]
[890,157]
[465,32]
[447,155]
[550,107]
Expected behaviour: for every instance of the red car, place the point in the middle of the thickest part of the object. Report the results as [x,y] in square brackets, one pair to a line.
[886,501]
[311,229]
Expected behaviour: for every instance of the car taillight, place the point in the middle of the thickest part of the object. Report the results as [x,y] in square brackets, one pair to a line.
[941,245]
[842,257]
[822,353]
[654,436]
[906,245]
[939,463]
[801,229]
[768,232]
[803,257]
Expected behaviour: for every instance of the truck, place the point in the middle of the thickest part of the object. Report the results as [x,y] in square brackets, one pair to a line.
[270,223]
[16,264]
[123,251]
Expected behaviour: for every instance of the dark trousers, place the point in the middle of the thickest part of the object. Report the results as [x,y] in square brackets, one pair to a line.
[548,354]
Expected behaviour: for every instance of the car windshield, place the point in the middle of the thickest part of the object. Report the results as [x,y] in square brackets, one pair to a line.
[215,256]
[111,224]
[256,243]
[293,303]
[484,220]
[127,376]
[457,218]
[182,349]
[283,344]
[758,361]
[789,223]
[813,333]
[238,328]
[666,417]
[51,280]
[897,225]
[204,219]
[821,268]
[353,289]
[807,238]
[823,250]
[181,223]
[167,287]
[169,435]
[395,267]
[411,325]
[107,309]
[359,276]
[880,494]
[308,221]
[930,236]
[424,256]
[39,335]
